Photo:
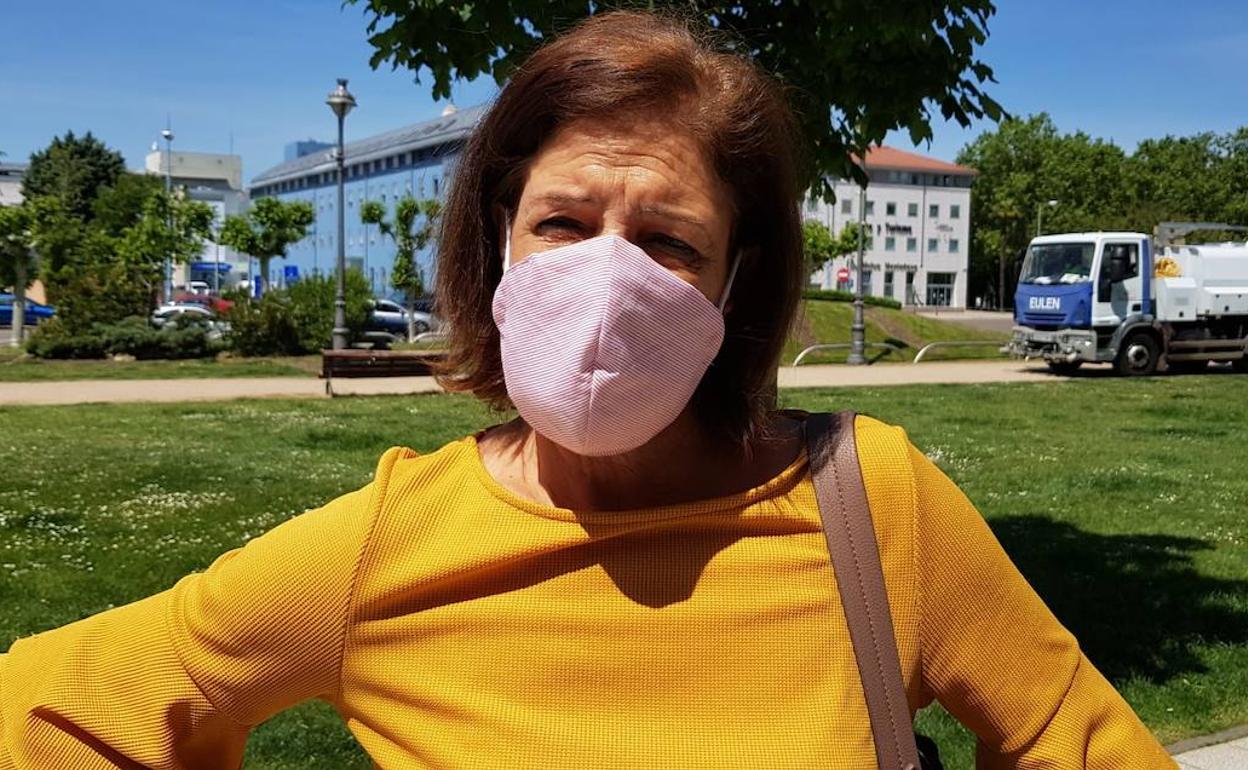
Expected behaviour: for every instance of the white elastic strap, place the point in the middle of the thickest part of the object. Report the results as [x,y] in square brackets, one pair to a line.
[732,274]
[507,242]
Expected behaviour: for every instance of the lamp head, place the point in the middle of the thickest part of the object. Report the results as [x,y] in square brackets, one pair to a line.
[340,99]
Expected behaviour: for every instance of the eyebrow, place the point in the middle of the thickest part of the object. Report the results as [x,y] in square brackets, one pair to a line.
[558,198]
[667,212]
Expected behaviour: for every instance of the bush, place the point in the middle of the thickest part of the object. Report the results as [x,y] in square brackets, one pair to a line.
[848,296]
[132,336]
[298,320]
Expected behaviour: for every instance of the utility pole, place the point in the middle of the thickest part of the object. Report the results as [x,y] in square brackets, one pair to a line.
[341,102]
[857,331]
[168,137]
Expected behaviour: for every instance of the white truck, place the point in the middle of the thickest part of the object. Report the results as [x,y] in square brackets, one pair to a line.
[1137,302]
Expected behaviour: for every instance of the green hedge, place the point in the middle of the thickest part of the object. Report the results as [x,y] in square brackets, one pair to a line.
[134,336]
[297,320]
[848,296]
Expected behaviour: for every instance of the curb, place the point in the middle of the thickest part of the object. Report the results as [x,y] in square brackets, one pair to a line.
[1202,741]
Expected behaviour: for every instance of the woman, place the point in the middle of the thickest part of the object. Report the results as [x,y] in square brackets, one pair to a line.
[630,574]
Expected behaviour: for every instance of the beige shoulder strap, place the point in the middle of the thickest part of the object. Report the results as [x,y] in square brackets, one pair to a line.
[856,560]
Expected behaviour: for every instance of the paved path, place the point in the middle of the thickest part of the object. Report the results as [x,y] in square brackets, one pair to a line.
[1223,751]
[104,391]
[983,320]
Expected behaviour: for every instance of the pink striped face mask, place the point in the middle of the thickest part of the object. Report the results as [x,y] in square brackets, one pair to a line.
[602,347]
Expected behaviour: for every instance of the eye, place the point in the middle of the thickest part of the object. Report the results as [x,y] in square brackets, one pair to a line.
[676,246]
[558,225]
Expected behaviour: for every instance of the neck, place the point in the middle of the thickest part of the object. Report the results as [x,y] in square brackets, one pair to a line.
[679,465]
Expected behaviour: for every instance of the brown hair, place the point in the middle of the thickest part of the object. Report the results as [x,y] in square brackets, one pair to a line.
[621,65]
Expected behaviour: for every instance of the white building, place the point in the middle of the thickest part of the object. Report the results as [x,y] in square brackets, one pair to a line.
[216,180]
[918,215]
[11,183]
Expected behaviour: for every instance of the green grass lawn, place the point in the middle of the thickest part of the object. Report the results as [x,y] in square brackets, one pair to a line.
[829,322]
[1124,502]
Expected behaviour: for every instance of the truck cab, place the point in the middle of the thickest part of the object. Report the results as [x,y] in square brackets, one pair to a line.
[1075,292]
[1094,298]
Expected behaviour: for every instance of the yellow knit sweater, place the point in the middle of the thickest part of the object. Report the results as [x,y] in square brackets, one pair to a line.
[455,625]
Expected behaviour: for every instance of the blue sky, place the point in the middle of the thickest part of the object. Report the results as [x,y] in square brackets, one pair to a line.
[259,71]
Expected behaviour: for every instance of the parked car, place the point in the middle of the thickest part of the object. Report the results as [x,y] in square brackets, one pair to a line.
[169,314]
[389,316]
[210,301]
[35,311]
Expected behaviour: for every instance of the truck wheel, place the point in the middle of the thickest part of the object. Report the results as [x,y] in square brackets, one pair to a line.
[1138,355]
[1064,367]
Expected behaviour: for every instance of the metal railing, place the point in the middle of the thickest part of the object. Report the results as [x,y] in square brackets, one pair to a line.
[950,344]
[843,346]
[429,337]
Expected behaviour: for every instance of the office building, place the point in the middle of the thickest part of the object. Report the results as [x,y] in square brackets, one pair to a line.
[918,214]
[216,180]
[415,160]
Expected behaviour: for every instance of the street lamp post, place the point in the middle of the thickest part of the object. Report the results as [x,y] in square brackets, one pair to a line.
[857,331]
[1040,214]
[167,134]
[341,102]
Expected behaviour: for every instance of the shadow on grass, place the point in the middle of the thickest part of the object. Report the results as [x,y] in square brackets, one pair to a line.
[1136,603]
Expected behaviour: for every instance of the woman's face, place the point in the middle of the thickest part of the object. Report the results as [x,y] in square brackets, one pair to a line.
[643,181]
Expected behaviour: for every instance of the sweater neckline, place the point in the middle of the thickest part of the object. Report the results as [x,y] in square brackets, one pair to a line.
[776,485]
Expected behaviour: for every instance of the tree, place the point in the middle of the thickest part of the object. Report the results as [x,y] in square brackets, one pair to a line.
[409,238]
[172,227]
[73,169]
[120,205]
[856,69]
[821,247]
[266,230]
[1023,164]
[17,261]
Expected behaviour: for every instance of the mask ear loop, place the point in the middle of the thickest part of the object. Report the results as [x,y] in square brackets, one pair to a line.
[732,274]
[507,242]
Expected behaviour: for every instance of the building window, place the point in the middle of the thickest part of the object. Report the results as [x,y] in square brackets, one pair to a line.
[953,245]
[890,243]
[955,211]
[890,209]
[912,244]
[888,283]
[912,210]
[933,245]
[933,210]
[435,187]
[940,289]
[870,208]
[847,206]
[866,283]
[909,287]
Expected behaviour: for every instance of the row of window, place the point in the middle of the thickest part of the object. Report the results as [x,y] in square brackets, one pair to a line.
[929,180]
[890,209]
[912,245]
[354,171]
[939,287]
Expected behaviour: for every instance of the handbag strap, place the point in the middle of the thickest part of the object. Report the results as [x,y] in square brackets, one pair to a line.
[855,556]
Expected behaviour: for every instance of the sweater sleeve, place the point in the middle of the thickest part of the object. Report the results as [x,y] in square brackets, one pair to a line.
[177,680]
[999,661]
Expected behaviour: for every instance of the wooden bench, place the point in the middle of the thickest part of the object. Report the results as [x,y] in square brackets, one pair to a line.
[376,363]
